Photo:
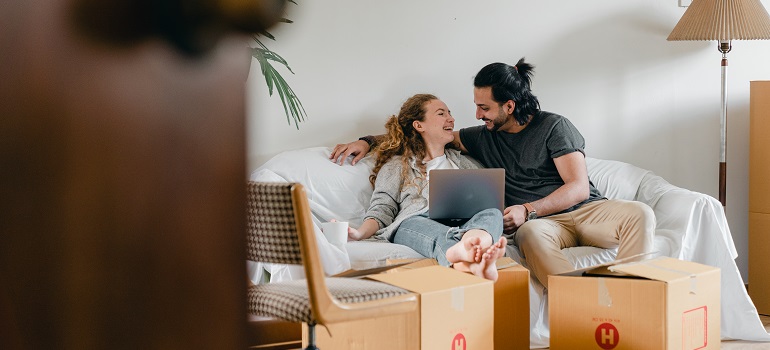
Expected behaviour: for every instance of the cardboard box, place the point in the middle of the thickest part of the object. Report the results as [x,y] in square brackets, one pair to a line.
[456,308]
[661,303]
[392,332]
[400,265]
[759,195]
[759,148]
[511,306]
[511,315]
[511,301]
[759,245]
[455,312]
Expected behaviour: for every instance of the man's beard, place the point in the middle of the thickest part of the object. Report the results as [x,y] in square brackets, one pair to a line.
[498,122]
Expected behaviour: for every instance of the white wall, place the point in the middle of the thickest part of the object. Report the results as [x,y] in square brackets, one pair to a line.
[605,64]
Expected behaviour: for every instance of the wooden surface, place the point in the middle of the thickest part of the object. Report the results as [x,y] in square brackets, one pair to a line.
[122,201]
[759,196]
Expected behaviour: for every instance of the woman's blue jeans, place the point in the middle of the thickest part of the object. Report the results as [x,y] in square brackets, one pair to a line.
[432,238]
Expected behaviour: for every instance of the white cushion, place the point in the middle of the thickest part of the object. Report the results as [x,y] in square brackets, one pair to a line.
[614,179]
[334,191]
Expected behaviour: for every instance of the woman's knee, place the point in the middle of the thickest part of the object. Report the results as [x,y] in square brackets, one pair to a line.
[489,220]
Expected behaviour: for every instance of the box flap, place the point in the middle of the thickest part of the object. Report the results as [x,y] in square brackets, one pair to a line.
[663,269]
[413,263]
[365,272]
[428,279]
[505,262]
[602,269]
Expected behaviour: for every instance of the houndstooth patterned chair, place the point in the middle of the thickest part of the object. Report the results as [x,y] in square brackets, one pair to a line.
[280,230]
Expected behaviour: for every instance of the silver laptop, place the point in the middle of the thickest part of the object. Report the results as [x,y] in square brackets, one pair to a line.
[458,194]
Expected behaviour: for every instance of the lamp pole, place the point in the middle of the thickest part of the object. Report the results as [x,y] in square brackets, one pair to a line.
[724,48]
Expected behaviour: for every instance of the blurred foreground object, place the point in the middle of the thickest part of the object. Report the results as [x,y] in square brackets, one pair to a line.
[122,163]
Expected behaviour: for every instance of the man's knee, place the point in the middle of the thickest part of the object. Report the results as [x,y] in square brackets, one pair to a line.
[644,216]
[533,234]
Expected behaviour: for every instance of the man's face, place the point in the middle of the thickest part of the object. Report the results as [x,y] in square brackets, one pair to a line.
[488,110]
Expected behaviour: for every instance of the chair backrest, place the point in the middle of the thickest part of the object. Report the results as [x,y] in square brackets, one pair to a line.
[280,230]
[272,224]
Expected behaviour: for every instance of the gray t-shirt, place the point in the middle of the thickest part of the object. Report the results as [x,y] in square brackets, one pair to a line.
[527,156]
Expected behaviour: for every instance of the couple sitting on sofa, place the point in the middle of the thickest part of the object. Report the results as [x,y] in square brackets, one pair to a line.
[550,202]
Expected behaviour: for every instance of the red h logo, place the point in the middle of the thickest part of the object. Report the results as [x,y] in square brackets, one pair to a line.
[607,336]
[458,343]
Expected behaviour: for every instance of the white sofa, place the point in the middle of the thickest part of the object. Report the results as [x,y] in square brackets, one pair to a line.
[690,226]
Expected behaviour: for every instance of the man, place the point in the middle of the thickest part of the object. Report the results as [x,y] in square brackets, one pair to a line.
[550,202]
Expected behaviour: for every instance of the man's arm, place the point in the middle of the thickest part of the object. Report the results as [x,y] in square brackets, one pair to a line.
[572,169]
[358,149]
[361,147]
[459,144]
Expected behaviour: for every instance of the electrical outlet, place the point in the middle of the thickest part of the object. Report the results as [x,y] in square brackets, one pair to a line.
[684,3]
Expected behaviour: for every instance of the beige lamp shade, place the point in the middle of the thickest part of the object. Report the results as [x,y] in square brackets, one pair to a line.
[723,20]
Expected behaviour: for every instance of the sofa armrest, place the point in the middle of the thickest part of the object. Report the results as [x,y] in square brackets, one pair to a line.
[694,221]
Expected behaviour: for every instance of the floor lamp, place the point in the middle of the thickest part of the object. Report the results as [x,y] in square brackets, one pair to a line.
[723,21]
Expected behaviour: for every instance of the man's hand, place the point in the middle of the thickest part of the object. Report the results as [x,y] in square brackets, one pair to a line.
[513,217]
[357,148]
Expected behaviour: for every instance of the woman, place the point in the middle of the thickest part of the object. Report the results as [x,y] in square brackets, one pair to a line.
[417,141]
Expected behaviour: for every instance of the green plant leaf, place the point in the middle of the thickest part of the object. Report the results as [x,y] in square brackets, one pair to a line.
[292,106]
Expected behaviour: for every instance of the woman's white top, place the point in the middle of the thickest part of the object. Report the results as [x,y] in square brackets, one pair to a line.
[441,162]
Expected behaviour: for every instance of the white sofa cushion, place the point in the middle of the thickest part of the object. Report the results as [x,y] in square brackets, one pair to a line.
[335,192]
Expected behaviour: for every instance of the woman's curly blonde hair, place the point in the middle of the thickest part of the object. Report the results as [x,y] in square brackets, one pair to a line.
[401,138]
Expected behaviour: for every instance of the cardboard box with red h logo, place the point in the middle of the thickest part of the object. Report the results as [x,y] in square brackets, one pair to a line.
[662,303]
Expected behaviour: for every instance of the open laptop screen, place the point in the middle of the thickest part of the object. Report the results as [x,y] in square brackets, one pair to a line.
[457,194]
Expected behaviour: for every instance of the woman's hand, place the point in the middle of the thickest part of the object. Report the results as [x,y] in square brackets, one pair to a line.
[367,229]
[354,234]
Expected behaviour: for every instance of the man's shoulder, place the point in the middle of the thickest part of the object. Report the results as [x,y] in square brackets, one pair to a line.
[473,133]
[473,129]
[550,116]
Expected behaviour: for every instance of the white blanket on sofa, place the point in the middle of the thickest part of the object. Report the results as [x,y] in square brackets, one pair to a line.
[690,226]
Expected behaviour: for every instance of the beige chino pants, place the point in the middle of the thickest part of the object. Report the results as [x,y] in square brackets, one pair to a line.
[627,225]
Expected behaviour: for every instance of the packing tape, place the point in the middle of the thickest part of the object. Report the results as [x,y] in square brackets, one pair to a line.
[651,263]
[458,299]
[693,284]
[604,294]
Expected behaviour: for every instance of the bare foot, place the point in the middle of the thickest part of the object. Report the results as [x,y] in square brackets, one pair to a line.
[486,267]
[468,250]
[500,244]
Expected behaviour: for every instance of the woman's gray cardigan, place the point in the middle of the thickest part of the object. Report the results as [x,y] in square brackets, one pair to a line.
[394,200]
